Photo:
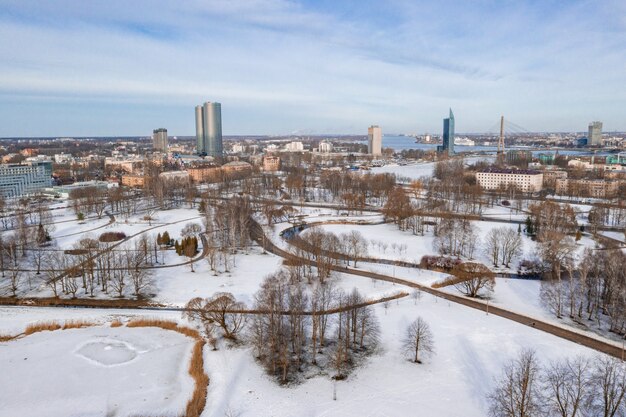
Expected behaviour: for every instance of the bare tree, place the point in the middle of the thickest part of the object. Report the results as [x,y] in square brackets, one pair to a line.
[511,245]
[566,387]
[472,277]
[517,393]
[355,244]
[221,309]
[418,340]
[492,246]
[609,383]
[191,229]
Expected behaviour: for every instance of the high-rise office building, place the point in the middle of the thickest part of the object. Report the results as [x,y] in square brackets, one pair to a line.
[22,179]
[594,137]
[448,135]
[159,139]
[374,140]
[209,129]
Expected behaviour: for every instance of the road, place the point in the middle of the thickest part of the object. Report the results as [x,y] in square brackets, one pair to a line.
[564,333]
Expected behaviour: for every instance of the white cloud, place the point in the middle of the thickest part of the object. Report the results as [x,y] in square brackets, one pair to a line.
[317,70]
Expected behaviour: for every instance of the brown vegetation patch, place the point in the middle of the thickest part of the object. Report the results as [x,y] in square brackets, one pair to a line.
[6,337]
[41,327]
[77,324]
[111,236]
[76,302]
[75,251]
[116,323]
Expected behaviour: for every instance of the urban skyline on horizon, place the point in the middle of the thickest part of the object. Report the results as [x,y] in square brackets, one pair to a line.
[302,67]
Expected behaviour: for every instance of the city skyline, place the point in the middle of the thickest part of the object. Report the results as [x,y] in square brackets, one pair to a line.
[106,70]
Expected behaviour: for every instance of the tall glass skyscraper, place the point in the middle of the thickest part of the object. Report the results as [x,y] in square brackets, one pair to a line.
[159,139]
[374,140]
[594,137]
[209,129]
[448,135]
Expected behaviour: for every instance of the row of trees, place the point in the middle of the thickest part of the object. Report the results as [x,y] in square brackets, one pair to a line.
[502,245]
[571,387]
[293,327]
[327,249]
[591,290]
[227,226]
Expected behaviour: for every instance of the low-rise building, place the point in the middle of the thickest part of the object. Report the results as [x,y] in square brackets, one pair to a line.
[238,167]
[125,164]
[271,163]
[588,188]
[525,180]
[133,180]
[205,173]
[174,176]
[66,190]
[551,175]
[294,147]
[325,147]
[63,158]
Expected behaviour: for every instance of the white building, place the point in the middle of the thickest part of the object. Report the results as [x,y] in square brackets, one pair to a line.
[294,147]
[177,176]
[325,147]
[375,140]
[63,158]
[524,180]
[238,148]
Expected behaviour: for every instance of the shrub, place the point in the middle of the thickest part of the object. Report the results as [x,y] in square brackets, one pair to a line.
[41,327]
[77,324]
[6,337]
[438,263]
[75,251]
[111,236]
[116,323]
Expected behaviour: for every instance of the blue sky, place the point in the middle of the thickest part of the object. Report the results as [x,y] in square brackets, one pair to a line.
[101,68]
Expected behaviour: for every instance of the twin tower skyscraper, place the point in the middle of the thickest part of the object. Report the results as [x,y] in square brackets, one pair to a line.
[209,129]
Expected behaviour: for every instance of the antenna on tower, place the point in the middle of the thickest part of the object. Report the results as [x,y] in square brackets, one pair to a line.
[501,142]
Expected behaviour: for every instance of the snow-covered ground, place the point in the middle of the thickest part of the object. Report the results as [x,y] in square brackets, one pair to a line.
[386,241]
[471,349]
[143,371]
[176,286]
[96,371]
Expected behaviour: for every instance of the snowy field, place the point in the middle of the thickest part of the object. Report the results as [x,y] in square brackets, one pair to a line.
[125,372]
[471,349]
[386,240]
[97,371]
[176,286]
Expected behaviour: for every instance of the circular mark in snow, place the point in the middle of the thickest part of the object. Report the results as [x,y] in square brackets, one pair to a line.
[107,352]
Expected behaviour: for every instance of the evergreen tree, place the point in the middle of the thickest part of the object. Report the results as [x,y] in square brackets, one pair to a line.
[41,235]
[529,226]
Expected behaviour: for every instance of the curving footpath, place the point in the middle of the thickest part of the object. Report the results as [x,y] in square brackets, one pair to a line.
[567,334]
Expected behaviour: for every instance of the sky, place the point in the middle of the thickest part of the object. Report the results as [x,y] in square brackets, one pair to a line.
[120,67]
